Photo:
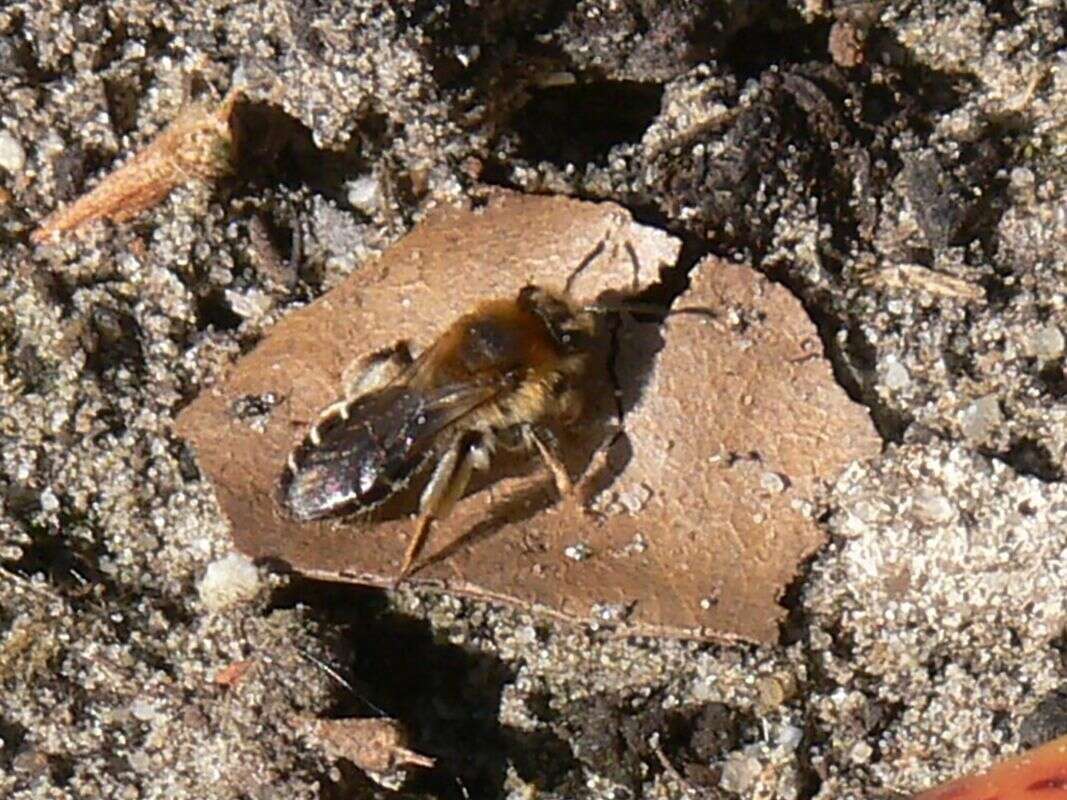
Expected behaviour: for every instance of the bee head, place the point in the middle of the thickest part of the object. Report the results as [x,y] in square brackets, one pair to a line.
[569,328]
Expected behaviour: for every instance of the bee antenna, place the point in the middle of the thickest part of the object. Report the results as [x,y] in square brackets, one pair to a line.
[318,662]
[636,307]
[632,307]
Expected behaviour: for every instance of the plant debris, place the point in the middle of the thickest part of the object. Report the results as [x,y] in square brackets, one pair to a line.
[231,674]
[376,744]
[916,277]
[697,514]
[195,146]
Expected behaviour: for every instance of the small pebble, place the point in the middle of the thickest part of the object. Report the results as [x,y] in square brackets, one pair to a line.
[577,552]
[251,304]
[772,482]
[981,418]
[1022,180]
[1047,343]
[634,501]
[771,693]
[49,501]
[139,761]
[229,581]
[143,710]
[740,773]
[611,613]
[12,156]
[790,737]
[861,753]
[364,194]
[895,375]
[932,507]
[846,44]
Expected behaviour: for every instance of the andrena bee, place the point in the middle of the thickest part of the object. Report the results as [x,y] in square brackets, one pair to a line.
[502,376]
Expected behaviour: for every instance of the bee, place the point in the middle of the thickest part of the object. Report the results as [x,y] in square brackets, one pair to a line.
[504,376]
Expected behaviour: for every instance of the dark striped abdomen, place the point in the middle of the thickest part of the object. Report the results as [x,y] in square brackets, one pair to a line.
[362,460]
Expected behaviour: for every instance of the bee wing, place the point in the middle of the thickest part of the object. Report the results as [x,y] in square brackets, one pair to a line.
[444,405]
[423,372]
[356,459]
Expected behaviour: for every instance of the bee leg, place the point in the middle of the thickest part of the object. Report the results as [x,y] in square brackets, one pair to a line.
[370,373]
[446,486]
[431,497]
[568,408]
[363,376]
[548,447]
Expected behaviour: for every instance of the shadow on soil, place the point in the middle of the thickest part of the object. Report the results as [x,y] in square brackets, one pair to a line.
[447,697]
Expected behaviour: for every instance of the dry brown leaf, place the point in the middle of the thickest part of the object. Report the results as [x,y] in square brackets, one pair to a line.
[1038,774]
[195,146]
[725,447]
[732,430]
[375,744]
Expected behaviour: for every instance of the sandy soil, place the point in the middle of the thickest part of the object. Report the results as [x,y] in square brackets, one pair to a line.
[898,166]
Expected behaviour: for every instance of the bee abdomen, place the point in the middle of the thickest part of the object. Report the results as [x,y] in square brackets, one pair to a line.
[356,456]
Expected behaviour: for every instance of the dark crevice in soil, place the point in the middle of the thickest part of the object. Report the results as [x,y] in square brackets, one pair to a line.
[795,626]
[18,56]
[999,292]
[69,564]
[112,338]
[959,364]
[809,778]
[214,312]
[274,240]
[1046,722]
[123,97]
[880,716]
[611,734]
[777,35]
[986,166]
[1030,457]
[61,769]
[20,362]
[276,148]
[1053,377]
[674,280]
[71,567]
[75,165]
[1003,13]
[12,734]
[854,371]
[580,123]
[496,32]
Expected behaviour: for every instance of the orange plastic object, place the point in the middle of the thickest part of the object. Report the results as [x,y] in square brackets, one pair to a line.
[1040,774]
